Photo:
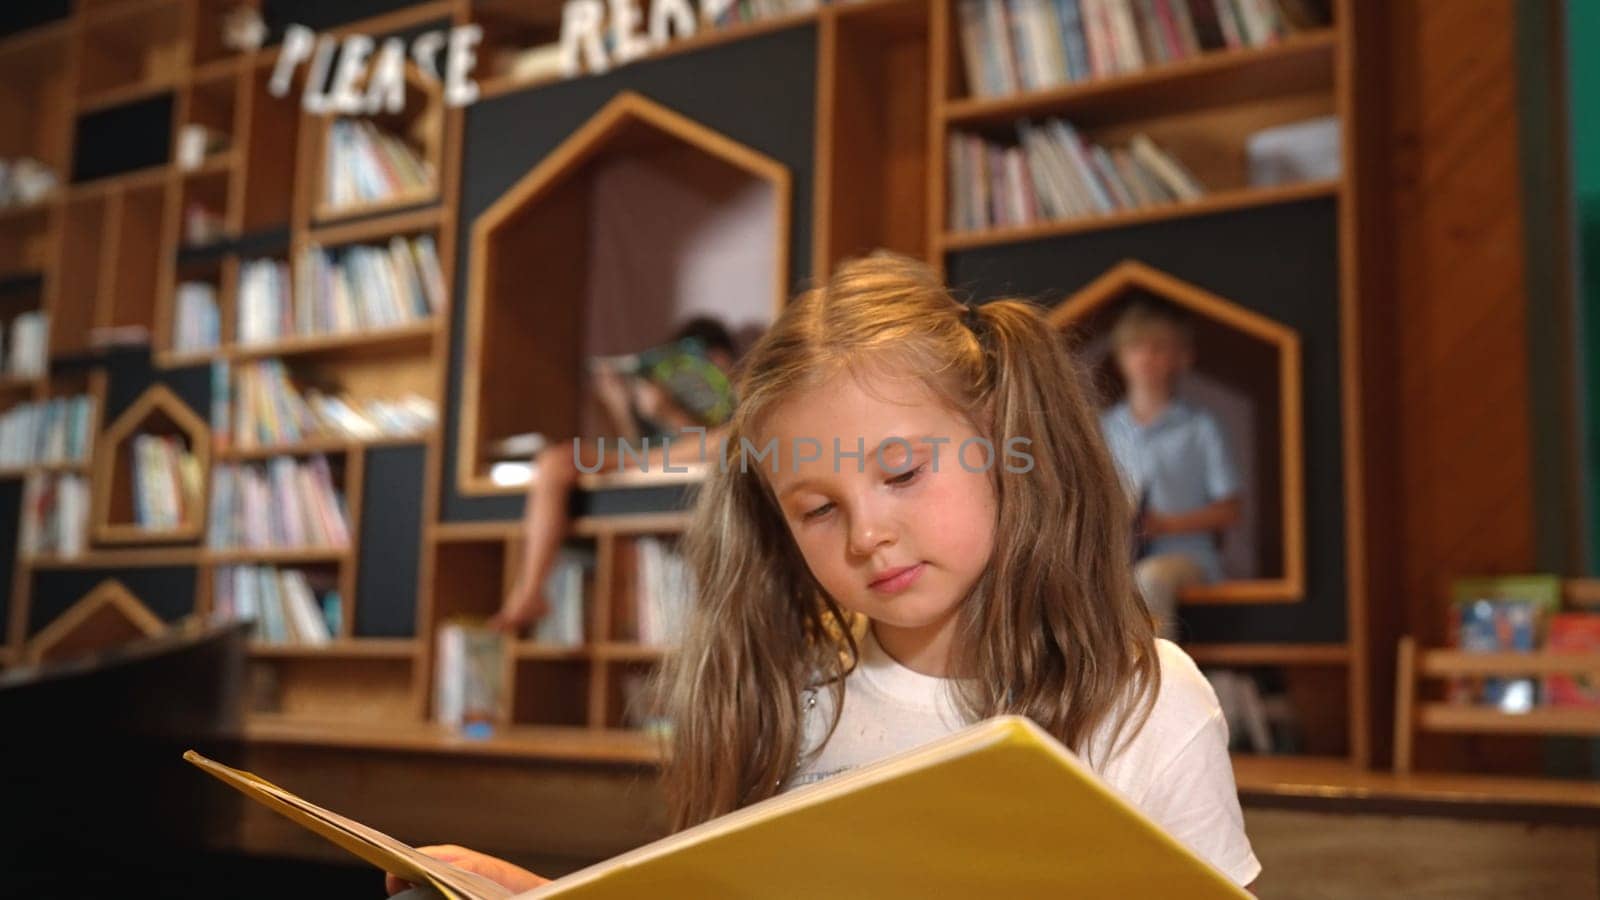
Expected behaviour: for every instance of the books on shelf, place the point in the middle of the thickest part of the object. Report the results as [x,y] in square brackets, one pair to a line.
[562,625]
[28,352]
[366,164]
[745,11]
[469,675]
[1053,174]
[367,288]
[288,606]
[167,487]
[198,143]
[197,326]
[665,591]
[280,504]
[1009,46]
[266,308]
[264,409]
[1501,614]
[347,291]
[1308,150]
[1574,633]
[55,514]
[57,432]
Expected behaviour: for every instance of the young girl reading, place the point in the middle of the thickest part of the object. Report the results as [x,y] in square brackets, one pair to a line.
[916,525]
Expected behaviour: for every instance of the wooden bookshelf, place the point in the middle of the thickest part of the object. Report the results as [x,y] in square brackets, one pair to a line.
[111,252]
[161,413]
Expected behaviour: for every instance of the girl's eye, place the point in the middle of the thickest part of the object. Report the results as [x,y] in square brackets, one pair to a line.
[908,477]
[818,512]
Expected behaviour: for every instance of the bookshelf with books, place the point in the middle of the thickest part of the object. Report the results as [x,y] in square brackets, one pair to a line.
[1159,122]
[383,162]
[150,481]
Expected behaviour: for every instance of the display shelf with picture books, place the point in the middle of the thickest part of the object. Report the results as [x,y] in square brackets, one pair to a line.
[150,481]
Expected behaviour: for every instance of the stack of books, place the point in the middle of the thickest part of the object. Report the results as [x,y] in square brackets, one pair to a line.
[366,288]
[366,164]
[266,309]
[54,433]
[1028,45]
[196,327]
[166,482]
[260,406]
[288,606]
[1053,174]
[665,592]
[55,514]
[280,504]
[28,355]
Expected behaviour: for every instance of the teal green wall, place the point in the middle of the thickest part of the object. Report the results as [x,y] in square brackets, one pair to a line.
[1583,118]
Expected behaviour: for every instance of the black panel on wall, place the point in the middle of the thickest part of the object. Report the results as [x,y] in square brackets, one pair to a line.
[123,139]
[507,136]
[1281,261]
[391,541]
[19,16]
[169,592]
[129,373]
[10,520]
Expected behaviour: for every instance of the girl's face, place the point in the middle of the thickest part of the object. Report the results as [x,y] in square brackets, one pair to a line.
[898,536]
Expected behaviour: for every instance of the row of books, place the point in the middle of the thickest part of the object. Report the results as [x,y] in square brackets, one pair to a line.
[167,486]
[1027,45]
[196,324]
[1522,614]
[366,164]
[28,353]
[56,432]
[259,405]
[280,504]
[363,288]
[288,606]
[55,514]
[1053,174]
[664,591]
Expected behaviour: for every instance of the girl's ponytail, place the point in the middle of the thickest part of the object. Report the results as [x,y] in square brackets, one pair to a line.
[1057,483]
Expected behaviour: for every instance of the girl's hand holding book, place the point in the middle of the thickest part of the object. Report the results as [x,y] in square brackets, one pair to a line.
[499,871]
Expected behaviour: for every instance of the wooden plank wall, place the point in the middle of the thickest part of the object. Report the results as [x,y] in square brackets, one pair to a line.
[1451,487]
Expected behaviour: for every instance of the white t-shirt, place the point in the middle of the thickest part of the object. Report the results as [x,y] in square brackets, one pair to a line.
[1175,769]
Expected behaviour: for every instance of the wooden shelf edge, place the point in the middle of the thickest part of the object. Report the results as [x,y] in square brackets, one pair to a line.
[125,94]
[633,523]
[1461,719]
[327,217]
[125,533]
[1315,779]
[31,39]
[1219,202]
[326,343]
[1437,663]
[1269,654]
[989,110]
[117,559]
[328,446]
[378,227]
[344,648]
[286,555]
[573,744]
[110,12]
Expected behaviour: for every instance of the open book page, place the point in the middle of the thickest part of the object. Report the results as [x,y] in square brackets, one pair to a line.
[371,845]
[999,809]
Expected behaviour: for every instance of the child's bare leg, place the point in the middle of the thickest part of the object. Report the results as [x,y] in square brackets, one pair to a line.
[544,524]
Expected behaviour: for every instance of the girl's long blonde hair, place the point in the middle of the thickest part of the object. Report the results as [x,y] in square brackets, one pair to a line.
[1053,630]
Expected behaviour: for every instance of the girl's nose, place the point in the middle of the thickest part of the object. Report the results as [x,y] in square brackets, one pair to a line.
[869,530]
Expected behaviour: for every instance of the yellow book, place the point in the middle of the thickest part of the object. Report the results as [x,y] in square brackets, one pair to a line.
[996,810]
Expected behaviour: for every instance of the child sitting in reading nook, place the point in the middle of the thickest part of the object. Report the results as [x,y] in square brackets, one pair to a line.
[940,537]
[648,397]
[1172,457]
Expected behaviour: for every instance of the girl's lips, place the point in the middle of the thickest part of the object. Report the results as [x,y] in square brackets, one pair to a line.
[898,579]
